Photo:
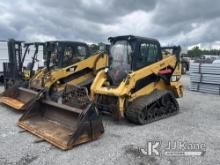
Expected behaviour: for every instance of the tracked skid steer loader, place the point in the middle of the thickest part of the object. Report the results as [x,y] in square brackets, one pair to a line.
[138,84]
[67,61]
[52,116]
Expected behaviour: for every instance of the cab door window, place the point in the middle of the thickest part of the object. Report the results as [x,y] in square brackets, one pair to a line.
[148,55]
[81,52]
[152,54]
[68,58]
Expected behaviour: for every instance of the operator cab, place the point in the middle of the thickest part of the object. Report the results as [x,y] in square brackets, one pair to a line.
[130,53]
[64,53]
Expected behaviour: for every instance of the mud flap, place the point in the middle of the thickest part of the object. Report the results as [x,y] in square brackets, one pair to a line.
[62,125]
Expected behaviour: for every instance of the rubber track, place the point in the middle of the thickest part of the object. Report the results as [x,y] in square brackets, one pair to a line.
[140,103]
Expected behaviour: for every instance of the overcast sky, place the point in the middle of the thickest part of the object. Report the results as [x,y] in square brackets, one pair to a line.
[185,22]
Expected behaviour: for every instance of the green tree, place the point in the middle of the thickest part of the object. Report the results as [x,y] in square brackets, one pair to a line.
[195,52]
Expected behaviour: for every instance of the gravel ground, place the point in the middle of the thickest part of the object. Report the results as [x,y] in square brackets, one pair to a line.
[197,122]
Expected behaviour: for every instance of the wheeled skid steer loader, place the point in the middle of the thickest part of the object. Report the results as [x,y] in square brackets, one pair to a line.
[67,61]
[140,84]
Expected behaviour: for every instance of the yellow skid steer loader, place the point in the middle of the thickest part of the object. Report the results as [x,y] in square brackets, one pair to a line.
[139,84]
[49,113]
[67,61]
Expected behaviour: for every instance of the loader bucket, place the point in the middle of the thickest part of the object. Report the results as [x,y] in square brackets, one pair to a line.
[17,97]
[62,125]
